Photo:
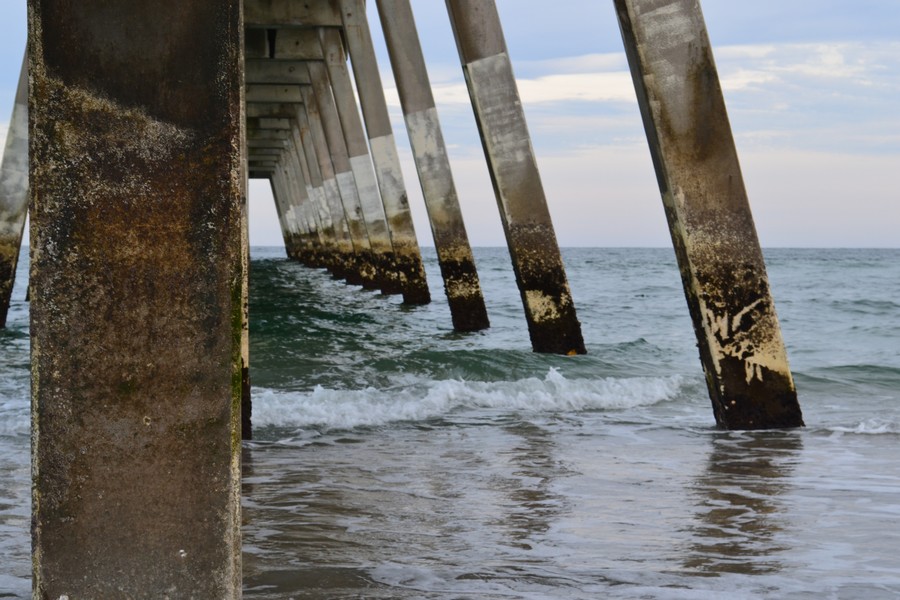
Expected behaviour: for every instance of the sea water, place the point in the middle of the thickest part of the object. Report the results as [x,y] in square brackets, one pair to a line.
[394,458]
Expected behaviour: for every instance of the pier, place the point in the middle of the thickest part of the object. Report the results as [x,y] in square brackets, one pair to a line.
[134,133]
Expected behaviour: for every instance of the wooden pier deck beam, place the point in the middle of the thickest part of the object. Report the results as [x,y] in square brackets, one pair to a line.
[540,275]
[13,192]
[384,152]
[699,176]
[461,283]
[136,315]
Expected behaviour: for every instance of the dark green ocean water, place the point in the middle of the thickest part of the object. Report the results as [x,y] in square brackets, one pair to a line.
[395,458]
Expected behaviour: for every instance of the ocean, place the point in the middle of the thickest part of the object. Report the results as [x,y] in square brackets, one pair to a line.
[394,458]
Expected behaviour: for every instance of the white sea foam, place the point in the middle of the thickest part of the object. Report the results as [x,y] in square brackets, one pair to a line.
[427,399]
[873,426]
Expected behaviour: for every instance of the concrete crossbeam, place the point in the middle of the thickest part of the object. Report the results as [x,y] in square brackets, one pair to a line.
[285,110]
[276,72]
[297,44]
[290,13]
[273,94]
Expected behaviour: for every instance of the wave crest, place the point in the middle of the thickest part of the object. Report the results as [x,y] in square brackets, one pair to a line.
[429,399]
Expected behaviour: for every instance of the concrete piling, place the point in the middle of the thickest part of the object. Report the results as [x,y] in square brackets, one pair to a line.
[13,192]
[335,61]
[699,176]
[318,204]
[246,399]
[340,159]
[549,310]
[132,144]
[291,243]
[384,152]
[303,141]
[451,241]
[311,128]
[320,241]
[136,316]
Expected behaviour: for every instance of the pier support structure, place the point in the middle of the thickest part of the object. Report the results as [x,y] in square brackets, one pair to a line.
[306,154]
[346,182]
[13,192]
[706,205]
[136,316]
[335,61]
[451,242]
[384,152]
[311,125]
[537,262]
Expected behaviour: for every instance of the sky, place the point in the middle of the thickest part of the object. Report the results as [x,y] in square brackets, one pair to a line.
[813,95]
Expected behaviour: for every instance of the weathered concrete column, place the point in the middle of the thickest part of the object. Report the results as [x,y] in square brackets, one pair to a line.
[549,310]
[340,159]
[384,152]
[335,62]
[330,222]
[295,192]
[136,314]
[317,209]
[706,204]
[13,193]
[278,193]
[447,227]
[313,137]
[246,399]
[303,209]
[293,241]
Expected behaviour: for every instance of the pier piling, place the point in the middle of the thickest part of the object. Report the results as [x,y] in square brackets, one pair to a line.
[384,152]
[451,242]
[537,262]
[699,176]
[335,61]
[311,125]
[346,182]
[13,192]
[137,309]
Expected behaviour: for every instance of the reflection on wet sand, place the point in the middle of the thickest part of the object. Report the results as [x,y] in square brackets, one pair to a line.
[399,517]
[739,515]
[531,505]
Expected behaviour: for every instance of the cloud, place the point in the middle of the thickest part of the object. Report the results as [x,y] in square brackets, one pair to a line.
[579,87]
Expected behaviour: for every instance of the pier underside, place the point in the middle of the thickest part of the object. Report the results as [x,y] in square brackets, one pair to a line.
[135,130]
